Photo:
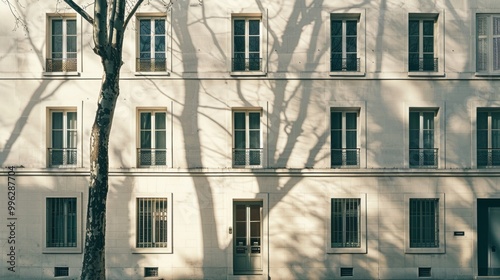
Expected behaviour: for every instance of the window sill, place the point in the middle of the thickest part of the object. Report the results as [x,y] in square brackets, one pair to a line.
[61,74]
[426,74]
[347,74]
[167,250]
[164,74]
[62,250]
[361,250]
[487,74]
[248,73]
[439,250]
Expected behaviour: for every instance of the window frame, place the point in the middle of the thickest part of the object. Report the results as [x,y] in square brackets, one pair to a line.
[438,42]
[489,42]
[247,130]
[152,18]
[78,233]
[490,160]
[64,130]
[152,250]
[421,135]
[49,50]
[362,226]
[350,14]
[344,131]
[247,16]
[441,249]
[153,131]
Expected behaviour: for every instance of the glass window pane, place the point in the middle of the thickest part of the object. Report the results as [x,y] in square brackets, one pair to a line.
[428,120]
[495,120]
[57,44]
[351,27]
[413,44]
[71,27]
[57,120]
[239,27]
[254,139]
[351,44]
[253,44]
[146,139]
[254,120]
[160,122]
[159,44]
[351,139]
[351,120]
[336,139]
[239,44]
[71,44]
[239,140]
[428,44]
[160,139]
[336,27]
[144,27]
[146,120]
[159,26]
[57,139]
[414,120]
[428,26]
[337,44]
[239,120]
[254,27]
[336,120]
[413,28]
[496,25]
[145,43]
[57,27]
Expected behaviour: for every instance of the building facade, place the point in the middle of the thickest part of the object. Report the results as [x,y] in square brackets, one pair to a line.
[259,140]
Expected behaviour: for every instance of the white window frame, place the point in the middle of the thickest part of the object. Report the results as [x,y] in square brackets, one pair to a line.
[344,136]
[441,249]
[247,137]
[160,250]
[439,53]
[489,42]
[344,18]
[349,14]
[63,250]
[490,161]
[263,47]
[362,226]
[64,18]
[65,129]
[152,19]
[153,129]
[434,111]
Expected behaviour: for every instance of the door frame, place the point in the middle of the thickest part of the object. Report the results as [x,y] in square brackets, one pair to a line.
[482,234]
[229,203]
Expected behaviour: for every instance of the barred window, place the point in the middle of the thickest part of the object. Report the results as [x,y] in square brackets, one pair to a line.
[61,222]
[424,223]
[152,223]
[345,224]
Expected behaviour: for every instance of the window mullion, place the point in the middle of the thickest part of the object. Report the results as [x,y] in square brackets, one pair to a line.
[247,40]
[64,39]
[421,39]
[152,41]
[344,39]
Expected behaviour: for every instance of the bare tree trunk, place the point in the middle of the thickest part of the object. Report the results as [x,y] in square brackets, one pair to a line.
[95,235]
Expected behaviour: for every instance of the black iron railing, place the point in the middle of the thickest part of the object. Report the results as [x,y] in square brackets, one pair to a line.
[488,157]
[247,157]
[151,65]
[58,157]
[345,158]
[424,158]
[151,157]
[247,64]
[423,65]
[344,65]
[61,65]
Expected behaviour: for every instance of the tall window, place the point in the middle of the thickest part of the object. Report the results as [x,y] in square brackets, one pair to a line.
[421,49]
[488,138]
[152,45]
[62,45]
[152,138]
[61,222]
[488,43]
[247,145]
[246,44]
[344,47]
[422,152]
[344,139]
[63,138]
[424,222]
[345,225]
[152,223]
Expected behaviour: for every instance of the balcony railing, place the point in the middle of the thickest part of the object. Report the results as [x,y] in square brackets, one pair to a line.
[61,157]
[247,157]
[424,158]
[247,64]
[345,158]
[61,65]
[344,65]
[488,157]
[423,65]
[151,157]
[151,65]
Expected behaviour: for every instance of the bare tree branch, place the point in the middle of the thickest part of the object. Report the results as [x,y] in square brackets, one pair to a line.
[80,11]
[112,20]
[131,14]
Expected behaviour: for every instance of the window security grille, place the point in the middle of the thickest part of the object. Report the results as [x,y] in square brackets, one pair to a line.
[424,272]
[61,222]
[345,230]
[61,271]
[346,271]
[152,223]
[150,271]
[424,223]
